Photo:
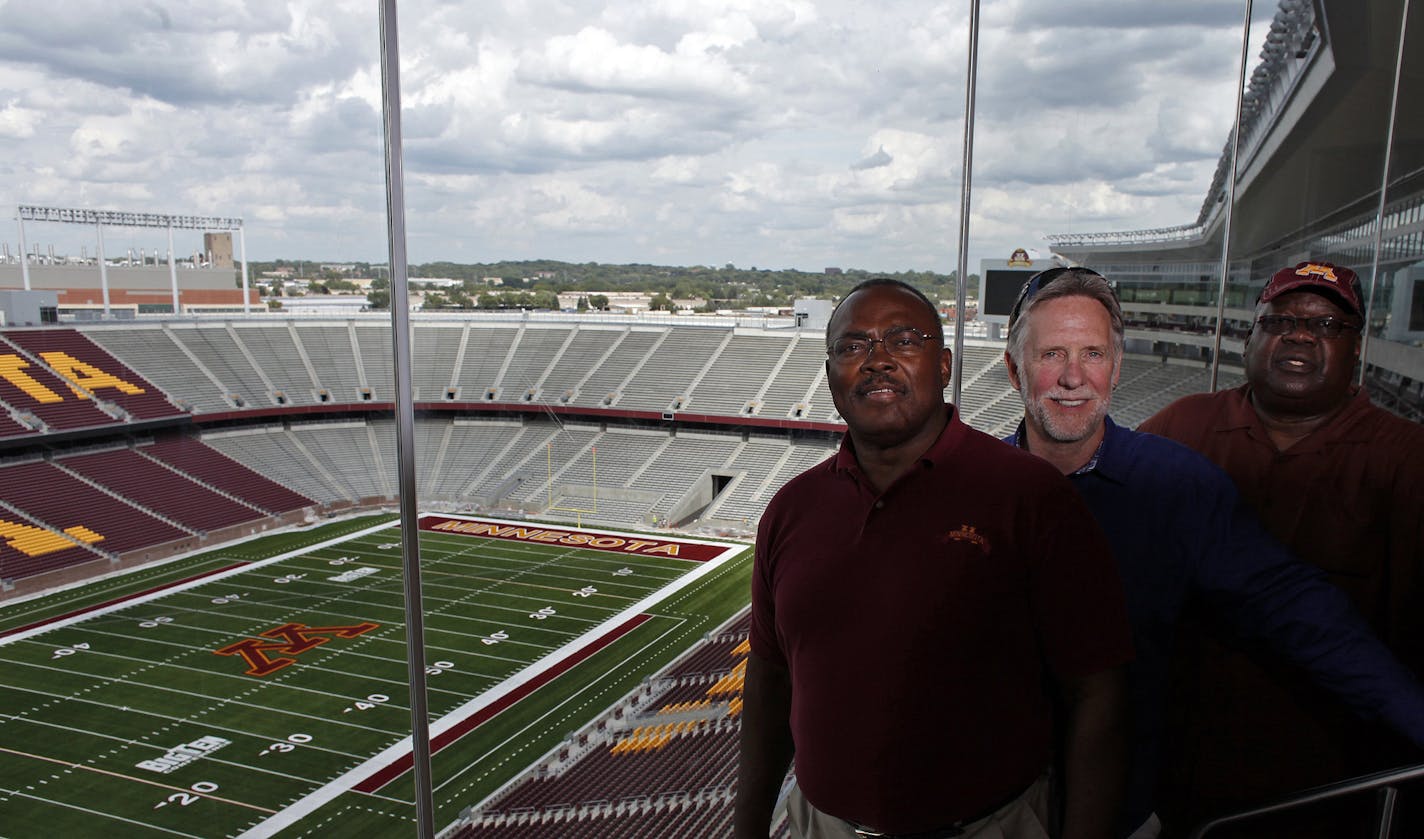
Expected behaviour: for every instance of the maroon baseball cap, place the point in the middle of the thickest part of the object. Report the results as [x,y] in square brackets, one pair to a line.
[1334,281]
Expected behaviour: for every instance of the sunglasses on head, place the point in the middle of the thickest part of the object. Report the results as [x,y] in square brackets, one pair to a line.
[1038,282]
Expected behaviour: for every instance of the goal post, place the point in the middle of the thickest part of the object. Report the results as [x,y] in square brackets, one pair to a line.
[579,510]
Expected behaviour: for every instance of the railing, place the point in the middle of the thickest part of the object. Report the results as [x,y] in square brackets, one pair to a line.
[1384,810]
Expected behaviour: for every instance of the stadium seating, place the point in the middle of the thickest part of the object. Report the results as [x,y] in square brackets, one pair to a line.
[73,354]
[661,764]
[154,487]
[737,375]
[569,370]
[10,427]
[212,468]
[218,352]
[45,492]
[154,351]
[606,380]
[27,386]
[329,347]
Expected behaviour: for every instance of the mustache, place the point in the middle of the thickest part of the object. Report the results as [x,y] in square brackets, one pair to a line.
[876,382]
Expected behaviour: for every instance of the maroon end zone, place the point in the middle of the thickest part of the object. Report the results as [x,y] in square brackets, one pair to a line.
[403,764]
[638,545]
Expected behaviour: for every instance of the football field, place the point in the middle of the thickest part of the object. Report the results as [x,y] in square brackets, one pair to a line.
[261,689]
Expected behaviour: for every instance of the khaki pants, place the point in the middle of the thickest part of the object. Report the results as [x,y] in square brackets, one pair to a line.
[1022,818]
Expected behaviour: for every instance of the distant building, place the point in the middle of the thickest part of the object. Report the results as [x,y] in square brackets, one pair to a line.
[218,248]
[133,290]
[812,313]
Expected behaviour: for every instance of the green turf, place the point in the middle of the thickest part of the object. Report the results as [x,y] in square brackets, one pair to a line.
[83,705]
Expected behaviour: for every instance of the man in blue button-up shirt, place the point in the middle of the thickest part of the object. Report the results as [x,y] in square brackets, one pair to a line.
[1179,531]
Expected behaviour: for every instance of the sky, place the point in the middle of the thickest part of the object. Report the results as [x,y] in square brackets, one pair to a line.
[768,133]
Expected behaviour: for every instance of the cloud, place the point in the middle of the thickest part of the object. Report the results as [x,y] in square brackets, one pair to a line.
[874,161]
[779,133]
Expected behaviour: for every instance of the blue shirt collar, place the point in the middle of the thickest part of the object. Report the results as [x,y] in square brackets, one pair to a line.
[1101,462]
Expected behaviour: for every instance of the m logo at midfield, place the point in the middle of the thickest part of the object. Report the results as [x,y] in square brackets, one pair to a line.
[296,639]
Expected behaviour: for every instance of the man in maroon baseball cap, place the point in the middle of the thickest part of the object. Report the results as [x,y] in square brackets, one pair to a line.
[1340,482]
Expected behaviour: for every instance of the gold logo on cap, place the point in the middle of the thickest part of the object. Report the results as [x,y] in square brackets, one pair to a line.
[1324,272]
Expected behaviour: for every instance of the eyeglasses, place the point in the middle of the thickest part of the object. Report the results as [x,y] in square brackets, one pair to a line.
[901,343]
[1322,327]
[1042,280]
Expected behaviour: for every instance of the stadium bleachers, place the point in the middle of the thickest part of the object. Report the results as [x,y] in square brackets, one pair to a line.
[75,356]
[27,386]
[660,764]
[47,493]
[329,347]
[215,469]
[800,374]
[579,357]
[154,487]
[485,352]
[528,461]
[536,349]
[606,380]
[164,362]
[271,451]
[673,370]
[717,371]
[284,365]
[736,375]
[218,351]
[11,427]
[29,547]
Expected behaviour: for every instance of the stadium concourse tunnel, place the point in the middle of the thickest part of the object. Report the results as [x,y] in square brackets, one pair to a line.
[209,504]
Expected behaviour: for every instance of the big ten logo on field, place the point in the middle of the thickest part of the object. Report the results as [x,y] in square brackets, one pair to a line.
[82,377]
[295,640]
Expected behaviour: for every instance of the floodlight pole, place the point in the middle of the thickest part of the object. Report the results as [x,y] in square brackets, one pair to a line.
[24,257]
[405,426]
[103,267]
[961,291]
[172,269]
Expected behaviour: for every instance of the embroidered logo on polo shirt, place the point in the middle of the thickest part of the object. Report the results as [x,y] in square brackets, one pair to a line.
[968,533]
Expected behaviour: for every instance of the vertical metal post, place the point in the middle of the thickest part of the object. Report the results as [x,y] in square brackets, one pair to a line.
[405,424]
[960,293]
[103,268]
[1384,812]
[1230,202]
[1384,193]
[172,268]
[242,251]
[24,257]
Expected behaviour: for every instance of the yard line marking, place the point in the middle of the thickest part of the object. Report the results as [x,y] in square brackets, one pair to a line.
[96,770]
[180,585]
[95,609]
[98,814]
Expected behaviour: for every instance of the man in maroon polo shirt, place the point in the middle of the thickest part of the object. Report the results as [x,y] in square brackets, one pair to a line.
[916,602]
[1341,483]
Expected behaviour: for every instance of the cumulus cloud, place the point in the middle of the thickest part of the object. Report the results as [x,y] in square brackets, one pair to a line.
[781,133]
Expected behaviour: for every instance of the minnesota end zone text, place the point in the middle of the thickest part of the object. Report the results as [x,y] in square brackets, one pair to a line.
[596,541]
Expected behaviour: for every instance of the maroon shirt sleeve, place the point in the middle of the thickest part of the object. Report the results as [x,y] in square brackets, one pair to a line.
[764,642]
